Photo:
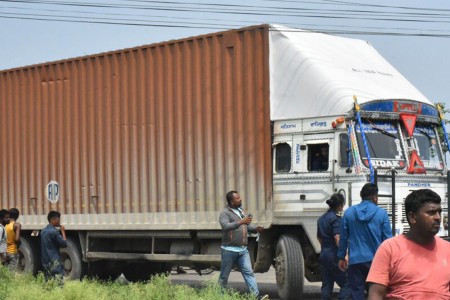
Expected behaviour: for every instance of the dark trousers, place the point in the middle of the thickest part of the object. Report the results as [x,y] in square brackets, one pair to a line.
[330,274]
[357,274]
[54,271]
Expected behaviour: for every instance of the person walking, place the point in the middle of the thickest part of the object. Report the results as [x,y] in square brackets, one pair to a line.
[235,227]
[13,229]
[53,237]
[328,234]
[416,264]
[364,227]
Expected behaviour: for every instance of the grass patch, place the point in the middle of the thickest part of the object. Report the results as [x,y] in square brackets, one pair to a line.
[26,287]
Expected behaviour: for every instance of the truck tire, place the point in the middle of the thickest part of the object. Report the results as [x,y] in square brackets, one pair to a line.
[289,267]
[74,267]
[28,257]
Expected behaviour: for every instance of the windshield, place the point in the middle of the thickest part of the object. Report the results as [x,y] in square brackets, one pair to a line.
[384,145]
[427,147]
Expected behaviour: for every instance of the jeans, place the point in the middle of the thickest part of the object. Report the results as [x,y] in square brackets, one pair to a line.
[357,275]
[242,261]
[330,274]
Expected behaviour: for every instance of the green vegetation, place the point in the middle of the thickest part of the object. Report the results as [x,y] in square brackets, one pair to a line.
[27,287]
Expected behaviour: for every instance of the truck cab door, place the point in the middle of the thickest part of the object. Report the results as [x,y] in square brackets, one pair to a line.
[318,169]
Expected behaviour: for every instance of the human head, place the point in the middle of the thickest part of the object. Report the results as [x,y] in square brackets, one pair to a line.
[369,192]
[336,201]
[4,217]
[53,218]
[234,199]
[416,201]
[324,150]
[14,213]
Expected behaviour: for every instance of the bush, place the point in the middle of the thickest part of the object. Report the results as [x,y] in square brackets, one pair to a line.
[26,287]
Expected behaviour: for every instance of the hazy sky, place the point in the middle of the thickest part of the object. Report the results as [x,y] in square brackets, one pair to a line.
[412,35]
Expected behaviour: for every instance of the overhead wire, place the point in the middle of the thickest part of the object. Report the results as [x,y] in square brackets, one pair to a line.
[228,22]
[236,9]
[226,8]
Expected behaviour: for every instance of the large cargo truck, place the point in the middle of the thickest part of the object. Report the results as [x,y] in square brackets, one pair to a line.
[138,147]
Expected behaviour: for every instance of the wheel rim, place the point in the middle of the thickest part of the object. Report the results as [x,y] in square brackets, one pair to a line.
[280,269]
[67,263]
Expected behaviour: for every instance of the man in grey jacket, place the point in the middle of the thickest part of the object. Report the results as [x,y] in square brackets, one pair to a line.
[235,227]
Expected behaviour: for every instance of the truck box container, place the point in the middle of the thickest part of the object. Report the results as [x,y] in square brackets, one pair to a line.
[150,137]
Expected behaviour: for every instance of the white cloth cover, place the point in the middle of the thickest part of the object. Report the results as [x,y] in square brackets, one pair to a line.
[314,74]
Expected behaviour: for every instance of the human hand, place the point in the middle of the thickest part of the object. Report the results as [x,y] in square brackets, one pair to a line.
[247,220]
[62,229]
[343,264]
[259,229]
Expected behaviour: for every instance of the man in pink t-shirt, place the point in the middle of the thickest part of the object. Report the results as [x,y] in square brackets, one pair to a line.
[414,265]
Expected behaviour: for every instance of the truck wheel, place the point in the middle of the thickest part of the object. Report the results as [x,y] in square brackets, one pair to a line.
[289,268]
[28,257]
[74,267]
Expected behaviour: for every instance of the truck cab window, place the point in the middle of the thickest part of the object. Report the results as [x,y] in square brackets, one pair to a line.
[384,144]
[426,141]
[318,157]
[283,158]
[344,151]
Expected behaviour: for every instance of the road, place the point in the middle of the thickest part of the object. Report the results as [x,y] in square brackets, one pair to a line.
[266,283]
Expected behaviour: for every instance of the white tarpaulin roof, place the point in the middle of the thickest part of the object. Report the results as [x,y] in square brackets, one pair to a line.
[315,74]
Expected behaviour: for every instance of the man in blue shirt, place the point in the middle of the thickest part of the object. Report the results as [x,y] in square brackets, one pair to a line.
[364,227]
[53,237]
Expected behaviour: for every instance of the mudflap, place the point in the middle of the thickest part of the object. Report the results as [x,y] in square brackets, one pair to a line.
[264,256]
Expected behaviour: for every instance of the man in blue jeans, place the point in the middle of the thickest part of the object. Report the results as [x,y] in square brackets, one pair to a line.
[363,228]
[235,227]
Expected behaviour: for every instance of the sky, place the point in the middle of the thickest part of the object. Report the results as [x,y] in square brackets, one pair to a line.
[413,35]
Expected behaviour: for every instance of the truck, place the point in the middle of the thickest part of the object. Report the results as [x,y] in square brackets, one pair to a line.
[137,148]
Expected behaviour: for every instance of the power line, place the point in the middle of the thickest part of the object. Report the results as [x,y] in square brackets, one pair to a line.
[235,9]
[238,22]
[231,8]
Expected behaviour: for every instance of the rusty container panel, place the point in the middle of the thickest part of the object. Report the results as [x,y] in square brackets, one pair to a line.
[143,138]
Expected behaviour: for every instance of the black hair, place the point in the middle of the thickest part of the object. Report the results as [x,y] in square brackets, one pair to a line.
[416,199]
[53,214]
[14,213]
[3,213]
[368,191]
[336,200]
[230,196]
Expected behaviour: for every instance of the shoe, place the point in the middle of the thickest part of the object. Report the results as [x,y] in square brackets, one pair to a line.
[265,297]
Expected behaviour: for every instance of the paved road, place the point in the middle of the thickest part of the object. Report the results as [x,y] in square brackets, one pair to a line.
[266,283]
